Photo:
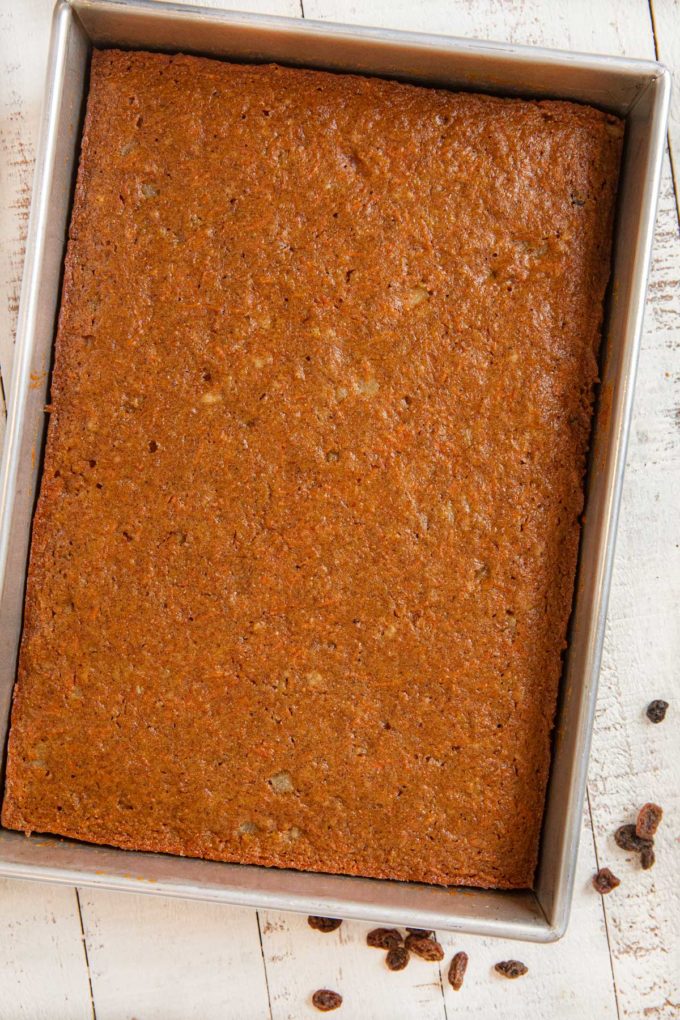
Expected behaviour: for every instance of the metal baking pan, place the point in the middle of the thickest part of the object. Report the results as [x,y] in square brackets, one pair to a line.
[636,90]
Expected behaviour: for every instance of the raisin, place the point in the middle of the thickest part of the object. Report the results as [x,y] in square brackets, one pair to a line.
[627,838]
[397,958]
[648,821]
[422,933]
[605,881]
[325,1000]
[324,924]
[425,948]
[656,711]
[384,938]
[647,858]
[457,971]
[511,968]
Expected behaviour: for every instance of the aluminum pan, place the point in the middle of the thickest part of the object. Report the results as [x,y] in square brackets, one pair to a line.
[637,90]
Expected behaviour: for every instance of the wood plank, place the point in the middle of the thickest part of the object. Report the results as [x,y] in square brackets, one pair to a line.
[606,26]
[156,958]
[299,961]
[666,17]
[43,974]
[285,8]
[24,35]
[634,761]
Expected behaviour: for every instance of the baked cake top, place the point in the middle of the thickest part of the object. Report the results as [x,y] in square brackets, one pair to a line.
[304,552]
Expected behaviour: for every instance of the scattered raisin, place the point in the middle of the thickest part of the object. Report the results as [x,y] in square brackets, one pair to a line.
[457,971]
[656,711]
[511,968]
[422,933]
[397,958]
[325,1000]
[647,858]
[627,838]
[384,938]
[426,948]
[605,881]
[648,821]
[324,924]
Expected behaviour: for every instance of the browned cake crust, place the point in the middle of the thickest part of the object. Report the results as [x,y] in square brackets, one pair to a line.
[304,552]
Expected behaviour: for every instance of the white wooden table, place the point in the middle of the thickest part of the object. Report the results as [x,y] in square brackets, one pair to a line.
[68,954]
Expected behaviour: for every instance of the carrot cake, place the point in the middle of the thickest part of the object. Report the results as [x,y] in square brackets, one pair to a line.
[303,557]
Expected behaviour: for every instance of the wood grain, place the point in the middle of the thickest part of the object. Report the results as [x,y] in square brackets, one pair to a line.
[43,971]
[605,26]
[24,34]
[160,959]
[666,15]
[632,760]
[299,961]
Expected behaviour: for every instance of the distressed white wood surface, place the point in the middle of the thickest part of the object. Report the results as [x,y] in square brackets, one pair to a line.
[154,958]
[632,760]
[23,31]
[159,959]
[594,26]
[666,15]
[43,969]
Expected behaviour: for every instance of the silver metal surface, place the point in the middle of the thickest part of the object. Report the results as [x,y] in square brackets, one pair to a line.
[637,90]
